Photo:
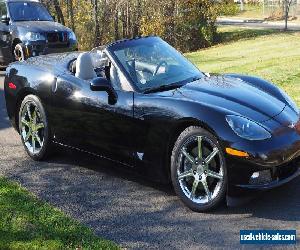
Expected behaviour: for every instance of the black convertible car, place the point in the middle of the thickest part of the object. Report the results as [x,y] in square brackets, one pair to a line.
[141,103]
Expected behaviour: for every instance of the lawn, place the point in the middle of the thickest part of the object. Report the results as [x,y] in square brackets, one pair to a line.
[271,55]
[269,13]
[251,11]
[27,223]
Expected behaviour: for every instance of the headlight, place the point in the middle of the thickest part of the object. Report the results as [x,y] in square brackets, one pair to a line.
[289,100]
[31,36]
[246,128]
[72,36]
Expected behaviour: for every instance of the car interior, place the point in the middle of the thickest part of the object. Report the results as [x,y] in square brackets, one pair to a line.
[89,65]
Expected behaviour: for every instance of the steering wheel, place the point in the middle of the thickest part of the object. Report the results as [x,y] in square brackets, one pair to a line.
[158,67]
[132,70]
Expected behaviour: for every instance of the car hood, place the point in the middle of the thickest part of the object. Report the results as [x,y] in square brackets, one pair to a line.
[41,26]
[231,95]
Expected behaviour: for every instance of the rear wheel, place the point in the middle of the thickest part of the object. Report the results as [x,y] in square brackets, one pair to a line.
[198,169]
[34,129]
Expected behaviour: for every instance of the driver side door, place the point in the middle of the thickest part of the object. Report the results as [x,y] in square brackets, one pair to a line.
[84,119]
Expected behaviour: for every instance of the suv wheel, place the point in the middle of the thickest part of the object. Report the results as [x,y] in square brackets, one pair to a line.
[19,53]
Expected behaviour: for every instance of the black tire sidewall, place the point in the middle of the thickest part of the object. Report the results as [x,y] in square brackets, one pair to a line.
[44,152]
[187,133]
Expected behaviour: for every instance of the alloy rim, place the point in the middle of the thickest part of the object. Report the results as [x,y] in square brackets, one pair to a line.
[32,128]
[18,54]
[200,171]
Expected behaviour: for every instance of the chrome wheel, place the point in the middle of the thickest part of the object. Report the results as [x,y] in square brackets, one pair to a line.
[19,53]
[32,128]
[200,169]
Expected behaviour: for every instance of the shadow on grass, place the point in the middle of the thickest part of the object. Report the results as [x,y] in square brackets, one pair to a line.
[244,33]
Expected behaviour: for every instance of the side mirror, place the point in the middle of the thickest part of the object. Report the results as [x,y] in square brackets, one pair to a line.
[102,84]
[5,19]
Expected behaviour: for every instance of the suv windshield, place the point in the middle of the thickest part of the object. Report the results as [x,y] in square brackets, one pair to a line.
[28,11]
[153,64]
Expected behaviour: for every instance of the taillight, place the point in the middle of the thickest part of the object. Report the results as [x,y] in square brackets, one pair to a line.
[12,86]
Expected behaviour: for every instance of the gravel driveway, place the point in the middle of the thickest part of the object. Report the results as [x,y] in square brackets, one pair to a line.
[133,212]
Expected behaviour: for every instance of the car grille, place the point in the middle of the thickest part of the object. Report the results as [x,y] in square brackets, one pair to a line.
[57,37]
[263,177]
[276,173]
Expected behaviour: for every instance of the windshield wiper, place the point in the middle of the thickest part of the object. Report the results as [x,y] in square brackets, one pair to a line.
[171,86]
[163,88]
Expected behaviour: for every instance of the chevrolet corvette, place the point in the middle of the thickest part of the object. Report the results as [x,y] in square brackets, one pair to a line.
[141,103]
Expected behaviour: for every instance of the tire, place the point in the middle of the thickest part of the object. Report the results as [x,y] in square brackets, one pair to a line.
[34,128]
[200,181]
[19,53]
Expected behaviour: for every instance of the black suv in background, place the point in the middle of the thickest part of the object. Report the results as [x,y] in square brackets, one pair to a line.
[27,29]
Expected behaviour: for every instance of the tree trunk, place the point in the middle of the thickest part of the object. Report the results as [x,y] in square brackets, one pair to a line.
[286,16]
[287,4]
[124,27]
[96,22]
[59,13]
[136,24]
[116,23]
[71,9]
[128,20]
[242,5]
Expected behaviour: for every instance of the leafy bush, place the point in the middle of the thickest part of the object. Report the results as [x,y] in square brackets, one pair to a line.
[227,8]
[187,25]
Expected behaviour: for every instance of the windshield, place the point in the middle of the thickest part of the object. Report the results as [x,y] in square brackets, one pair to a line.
[152,63]
[28,11]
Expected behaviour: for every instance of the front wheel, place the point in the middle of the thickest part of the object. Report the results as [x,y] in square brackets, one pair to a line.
[19,53]
[198,169]
[34,128]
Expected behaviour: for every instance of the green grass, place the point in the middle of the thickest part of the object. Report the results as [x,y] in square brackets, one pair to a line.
[257,12]
[251,11]
[273,56]
[234,33]
[27,223]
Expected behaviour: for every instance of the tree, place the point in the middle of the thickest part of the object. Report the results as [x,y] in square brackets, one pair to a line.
[59,13]
[71,13]
[242,5]
[287,5]
[187,25]
[96,23]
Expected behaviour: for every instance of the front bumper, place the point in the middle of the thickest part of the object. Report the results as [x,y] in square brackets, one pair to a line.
[271,163]
[43,48]
[245,177]
[277,176]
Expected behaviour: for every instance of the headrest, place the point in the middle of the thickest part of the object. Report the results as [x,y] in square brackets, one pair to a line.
[99,59]
[85,67]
